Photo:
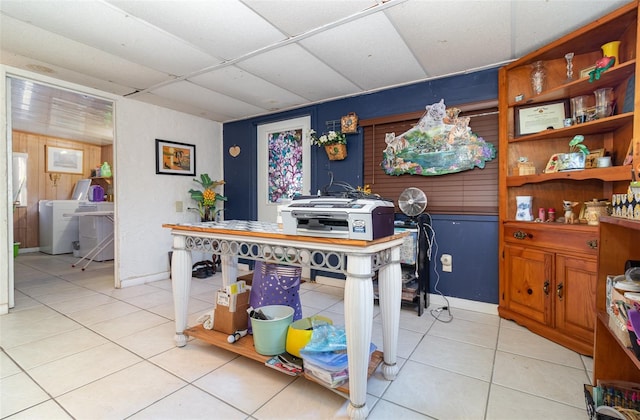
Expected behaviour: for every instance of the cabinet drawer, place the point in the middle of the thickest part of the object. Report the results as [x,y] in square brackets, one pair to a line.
[555,237]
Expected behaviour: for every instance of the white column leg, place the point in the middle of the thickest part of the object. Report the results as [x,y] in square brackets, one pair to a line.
[358,314]
[181,284]
[229,265]
[390,295]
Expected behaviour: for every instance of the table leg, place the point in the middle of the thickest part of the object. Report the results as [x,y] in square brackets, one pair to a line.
[229,264]
[358,314]
[390,291]
[181,284]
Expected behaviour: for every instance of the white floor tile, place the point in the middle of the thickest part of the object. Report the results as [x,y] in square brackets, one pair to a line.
[19,392]
[385,410]
[55,347]
[121,394]
[463,358]
[508,404]
[525,343]
[49,410]
[537,377]
[243,383]
[189,403]
[111,354]
[438,393]
[192,361]
[304,399]
[466,332]
[76,370]
[7,366]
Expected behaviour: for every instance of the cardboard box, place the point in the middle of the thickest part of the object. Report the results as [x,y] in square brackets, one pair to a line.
[227,321]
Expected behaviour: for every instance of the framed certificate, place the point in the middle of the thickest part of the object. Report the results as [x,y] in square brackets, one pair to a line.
[534,118]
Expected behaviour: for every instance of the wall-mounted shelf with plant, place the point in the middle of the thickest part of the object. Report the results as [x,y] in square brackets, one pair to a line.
[334,143]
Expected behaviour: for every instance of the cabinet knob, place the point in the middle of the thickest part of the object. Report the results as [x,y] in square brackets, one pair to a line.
[559,290]
[529,291]
[521,235]
[546,287]
[593,244]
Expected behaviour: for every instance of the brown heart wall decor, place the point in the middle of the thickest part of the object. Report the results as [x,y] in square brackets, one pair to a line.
[234,151]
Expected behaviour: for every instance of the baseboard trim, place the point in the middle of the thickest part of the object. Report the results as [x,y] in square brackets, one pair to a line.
[435,299]
[144,279]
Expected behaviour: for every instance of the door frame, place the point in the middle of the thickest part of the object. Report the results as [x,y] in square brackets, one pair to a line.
[268,212]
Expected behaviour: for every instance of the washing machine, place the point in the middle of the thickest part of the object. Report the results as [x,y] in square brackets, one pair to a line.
[57,231]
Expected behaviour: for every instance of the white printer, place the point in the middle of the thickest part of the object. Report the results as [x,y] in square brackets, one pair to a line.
[334,217]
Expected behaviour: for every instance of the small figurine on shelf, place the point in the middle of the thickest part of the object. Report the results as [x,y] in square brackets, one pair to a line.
[569,216]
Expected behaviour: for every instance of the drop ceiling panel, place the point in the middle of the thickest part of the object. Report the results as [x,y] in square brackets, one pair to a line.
[369,52]
[541,23]
[237,83]
[441,50]
[226,29]
[127,37]
[294,69]
[189,93]
[20,62]
[179,106]
[298,17]
[30,41]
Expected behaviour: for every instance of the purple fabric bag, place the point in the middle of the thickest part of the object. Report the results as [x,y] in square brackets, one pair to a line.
[275,284]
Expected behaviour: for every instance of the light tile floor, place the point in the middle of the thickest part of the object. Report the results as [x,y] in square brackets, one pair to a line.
[75,347]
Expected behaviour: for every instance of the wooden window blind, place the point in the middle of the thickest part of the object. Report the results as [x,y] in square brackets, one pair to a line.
[468,192]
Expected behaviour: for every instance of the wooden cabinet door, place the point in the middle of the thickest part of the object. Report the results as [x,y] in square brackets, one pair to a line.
[575,296]
[529,281]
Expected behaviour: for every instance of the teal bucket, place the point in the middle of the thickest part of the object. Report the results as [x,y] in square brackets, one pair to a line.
[270,335]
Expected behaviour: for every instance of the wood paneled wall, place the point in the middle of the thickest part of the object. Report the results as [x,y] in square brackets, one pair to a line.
[468,192]
[40,187]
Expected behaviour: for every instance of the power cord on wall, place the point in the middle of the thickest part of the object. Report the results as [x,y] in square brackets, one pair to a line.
[442,313]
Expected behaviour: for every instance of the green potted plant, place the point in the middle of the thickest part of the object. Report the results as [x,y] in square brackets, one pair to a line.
[576,157]
[207,197]
[334,143]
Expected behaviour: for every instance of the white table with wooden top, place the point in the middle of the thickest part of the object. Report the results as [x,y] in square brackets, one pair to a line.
[357,259]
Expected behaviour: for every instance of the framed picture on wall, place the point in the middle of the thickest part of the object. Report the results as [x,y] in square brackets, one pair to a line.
[62,160]
[173,158]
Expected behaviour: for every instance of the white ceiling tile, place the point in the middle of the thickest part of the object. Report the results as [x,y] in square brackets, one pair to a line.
[223,28]
[125,36]
[20,62]
[295,17]
[187,108]
[293,68]
[539,23]
[367,52]
[27,40]
[189,93]
[441,50]
[237,83]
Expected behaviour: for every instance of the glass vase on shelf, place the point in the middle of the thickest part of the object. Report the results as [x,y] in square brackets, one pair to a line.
[538,77]
[569,58]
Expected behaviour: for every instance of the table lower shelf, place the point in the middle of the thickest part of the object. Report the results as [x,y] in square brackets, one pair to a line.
[244,347]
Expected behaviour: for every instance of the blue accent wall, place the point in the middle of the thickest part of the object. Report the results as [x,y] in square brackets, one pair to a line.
[240,173]
[472,242]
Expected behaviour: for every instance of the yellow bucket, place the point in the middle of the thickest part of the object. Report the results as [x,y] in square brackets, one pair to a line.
[300,332]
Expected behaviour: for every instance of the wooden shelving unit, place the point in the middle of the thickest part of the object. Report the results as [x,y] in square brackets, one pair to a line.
[244,347]
[619,242]
[549,271]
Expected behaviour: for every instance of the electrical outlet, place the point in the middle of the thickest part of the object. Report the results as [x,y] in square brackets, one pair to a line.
[447,263]
[179,207]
